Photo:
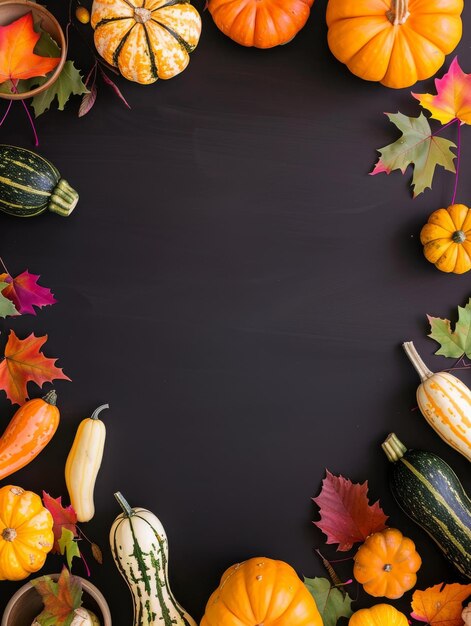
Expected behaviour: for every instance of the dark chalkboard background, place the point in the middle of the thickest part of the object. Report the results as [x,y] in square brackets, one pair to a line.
[237,287]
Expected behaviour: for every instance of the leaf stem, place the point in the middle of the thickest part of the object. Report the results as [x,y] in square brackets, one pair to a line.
[458,161]
[1,260]
[445,126]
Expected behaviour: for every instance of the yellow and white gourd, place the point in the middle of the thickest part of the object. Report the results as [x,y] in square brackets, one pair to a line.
[83,463]
[445,402]
[140,550]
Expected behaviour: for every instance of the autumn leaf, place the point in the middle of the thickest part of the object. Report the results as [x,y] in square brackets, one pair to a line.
[25,293]
[6,306]
[346,515]
[97,553]
[69,83]
[331,602]
[440,605]
[68,546]
[418,147]
[64,518]
[453,99]
[17,59]
[60,599]
[453,343]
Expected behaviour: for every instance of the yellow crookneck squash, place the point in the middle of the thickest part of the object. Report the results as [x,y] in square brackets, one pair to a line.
[386,564]
[146,39]
[26,534]
[261,591]
[447,239]
[395,42]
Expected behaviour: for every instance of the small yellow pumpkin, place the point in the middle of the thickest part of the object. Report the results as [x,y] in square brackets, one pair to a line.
[146,39]
[26,534]
[386,564]
[378,615]
[447,239]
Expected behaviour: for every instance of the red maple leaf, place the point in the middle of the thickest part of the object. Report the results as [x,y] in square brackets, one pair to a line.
[25,292]
[64,517]
[17,59]
[60,599]
[24,362]
[346,515]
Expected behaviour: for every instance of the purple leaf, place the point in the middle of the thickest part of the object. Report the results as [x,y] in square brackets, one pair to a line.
[114,87]
[88,101]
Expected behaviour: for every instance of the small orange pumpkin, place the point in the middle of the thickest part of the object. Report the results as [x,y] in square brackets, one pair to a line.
[378,615]
[447,239]
[386,564]
[260,23]
[261,591]
[25,533]
[395,42]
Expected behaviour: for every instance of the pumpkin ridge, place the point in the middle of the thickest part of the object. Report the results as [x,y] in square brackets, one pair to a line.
[409,31]
[184,44]
[170,3]
[153,66]
[387,25]
[120,46]
[107,20]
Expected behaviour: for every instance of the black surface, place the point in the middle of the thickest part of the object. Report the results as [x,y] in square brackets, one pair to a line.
[237,287]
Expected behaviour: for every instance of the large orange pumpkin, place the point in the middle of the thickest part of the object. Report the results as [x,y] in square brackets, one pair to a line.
[261,591]
[260,23]
[395,42]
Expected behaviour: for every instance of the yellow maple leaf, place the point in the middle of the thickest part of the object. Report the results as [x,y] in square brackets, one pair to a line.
[453,99]
[441,604]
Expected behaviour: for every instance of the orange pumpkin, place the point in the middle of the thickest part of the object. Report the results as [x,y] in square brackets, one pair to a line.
[447,239]
[261,591]
[25,533]
[386,564]
[260,23]
[378,615]
[395,42]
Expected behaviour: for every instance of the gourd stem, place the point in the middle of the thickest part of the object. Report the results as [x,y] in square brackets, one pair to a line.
[63,199]
[96,412]
[393,448]
[459,236]
[399,12]
[414,357]
[51,397]
[123,504]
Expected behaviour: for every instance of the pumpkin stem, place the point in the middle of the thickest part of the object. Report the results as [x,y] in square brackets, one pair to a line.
[124,504]
[51,397]
[9,534]
[399,12]
[142,15]
[414,357]
[63,199]
[393,448]
[458,236]
[96,412]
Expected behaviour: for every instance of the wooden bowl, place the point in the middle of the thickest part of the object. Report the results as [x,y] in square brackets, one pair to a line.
[11,11]
[26,604]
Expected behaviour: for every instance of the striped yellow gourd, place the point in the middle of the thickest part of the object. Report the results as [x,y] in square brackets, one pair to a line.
[445,402]
[83,463]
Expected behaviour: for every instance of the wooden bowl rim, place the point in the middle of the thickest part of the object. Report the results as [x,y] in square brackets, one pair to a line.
[37,8]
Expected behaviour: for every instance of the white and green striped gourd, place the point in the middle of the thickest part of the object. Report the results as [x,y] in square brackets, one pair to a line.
[140,550]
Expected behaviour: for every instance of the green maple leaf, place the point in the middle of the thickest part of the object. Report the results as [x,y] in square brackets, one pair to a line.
[331,602]
[418,147]
[69,82]
[454,343]
[6,306]
[68,546]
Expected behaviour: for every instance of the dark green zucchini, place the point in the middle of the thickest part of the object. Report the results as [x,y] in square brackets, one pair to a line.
[429,492]
[30,185]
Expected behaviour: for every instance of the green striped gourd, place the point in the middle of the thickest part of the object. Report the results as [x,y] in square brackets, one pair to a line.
[429,492]
[30,185]
[140,550]
[445,402]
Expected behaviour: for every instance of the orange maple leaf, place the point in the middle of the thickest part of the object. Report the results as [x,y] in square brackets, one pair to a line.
[453,99]
[24,362]
[17,59]
[441,604]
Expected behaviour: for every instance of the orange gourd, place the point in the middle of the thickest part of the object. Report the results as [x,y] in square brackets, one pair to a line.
[386,564]
[260,23]
[395,42]
[261,591]
[146,39]
[378,615]
[26,534]
[447,239]
[29,431]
